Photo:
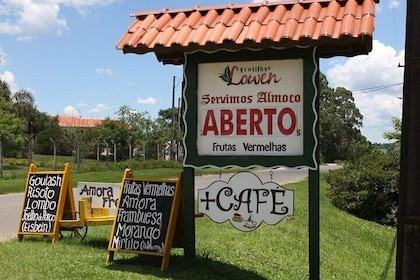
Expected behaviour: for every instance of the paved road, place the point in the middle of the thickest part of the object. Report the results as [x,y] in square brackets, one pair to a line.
[10,208]
[11,204]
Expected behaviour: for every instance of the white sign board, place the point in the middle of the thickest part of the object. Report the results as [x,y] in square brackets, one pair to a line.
[246,202]
[104,195]
[250,108]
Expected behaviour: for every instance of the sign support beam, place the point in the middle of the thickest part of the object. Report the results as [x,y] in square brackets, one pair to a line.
[189,212]
[314,251]
[408,230]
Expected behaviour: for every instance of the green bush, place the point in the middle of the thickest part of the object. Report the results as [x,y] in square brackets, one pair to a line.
[92,166]
[368,187]
[15,161]
[46,163]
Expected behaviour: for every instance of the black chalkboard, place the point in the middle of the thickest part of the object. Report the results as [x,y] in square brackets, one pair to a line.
[145,218]
[40,206]
[43,202]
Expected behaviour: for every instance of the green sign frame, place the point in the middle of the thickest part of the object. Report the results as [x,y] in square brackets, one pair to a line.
[310,105]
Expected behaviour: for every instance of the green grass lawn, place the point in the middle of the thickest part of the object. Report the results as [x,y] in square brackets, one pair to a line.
[351,248]
[17,184]
[15,171]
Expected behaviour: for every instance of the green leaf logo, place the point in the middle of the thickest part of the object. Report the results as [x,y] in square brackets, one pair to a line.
[225,75]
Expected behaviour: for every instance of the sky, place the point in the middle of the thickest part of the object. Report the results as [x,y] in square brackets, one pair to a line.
[63,51]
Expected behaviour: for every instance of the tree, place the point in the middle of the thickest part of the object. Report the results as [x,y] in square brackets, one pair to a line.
[110,131]
[340,122]
[140,127]
[367,187]
[11,134]
[44,145]
[11,127]
[5,93]
[154,135]
[396,134]
[25,109]
[169,128]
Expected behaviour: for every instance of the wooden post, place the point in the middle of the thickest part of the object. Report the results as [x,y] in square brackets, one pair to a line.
[408,231]
[189,212]
[314,221]
[314,251]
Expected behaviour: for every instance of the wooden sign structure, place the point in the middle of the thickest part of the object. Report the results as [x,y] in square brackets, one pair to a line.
[48,195]
[146,217]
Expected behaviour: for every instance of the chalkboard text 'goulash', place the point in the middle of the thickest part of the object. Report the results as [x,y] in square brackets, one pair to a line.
[143,216]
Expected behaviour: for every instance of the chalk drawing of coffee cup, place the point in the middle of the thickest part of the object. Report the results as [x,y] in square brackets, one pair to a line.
[250,223]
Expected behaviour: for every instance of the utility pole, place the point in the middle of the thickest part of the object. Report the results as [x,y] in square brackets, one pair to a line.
[55,152]
[408,231]
[171,149]
[1,159]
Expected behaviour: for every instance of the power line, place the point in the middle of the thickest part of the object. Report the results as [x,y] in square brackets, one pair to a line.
[376,88]
[395,26]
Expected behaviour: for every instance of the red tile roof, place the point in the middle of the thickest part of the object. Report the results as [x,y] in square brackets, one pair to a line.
[66,121]
[337,27]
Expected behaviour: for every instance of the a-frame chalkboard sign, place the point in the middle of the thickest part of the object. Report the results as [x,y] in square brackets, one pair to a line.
[48,195]
[146,217]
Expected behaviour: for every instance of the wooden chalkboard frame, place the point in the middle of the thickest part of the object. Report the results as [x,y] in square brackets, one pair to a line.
[170,231]
[64,202]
